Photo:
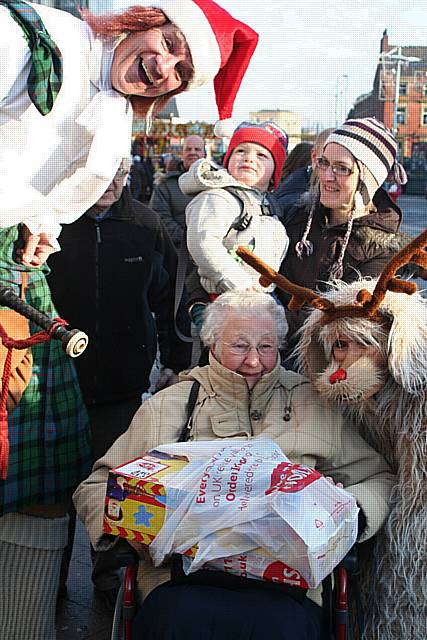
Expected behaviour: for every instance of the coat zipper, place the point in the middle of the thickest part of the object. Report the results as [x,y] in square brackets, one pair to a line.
[98,241]
[249,412]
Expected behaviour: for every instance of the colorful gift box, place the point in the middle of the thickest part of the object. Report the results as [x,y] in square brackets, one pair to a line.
[135,503]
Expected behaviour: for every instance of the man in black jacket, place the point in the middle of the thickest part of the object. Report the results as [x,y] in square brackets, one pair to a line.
[115,279]
[167,198]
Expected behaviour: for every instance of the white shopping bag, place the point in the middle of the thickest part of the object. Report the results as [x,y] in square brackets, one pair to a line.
[246,497]
[223,486]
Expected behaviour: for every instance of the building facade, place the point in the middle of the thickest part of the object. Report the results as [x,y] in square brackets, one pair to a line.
[289,121]
[412,102]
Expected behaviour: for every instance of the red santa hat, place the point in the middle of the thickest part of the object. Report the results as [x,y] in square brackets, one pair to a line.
[221,48]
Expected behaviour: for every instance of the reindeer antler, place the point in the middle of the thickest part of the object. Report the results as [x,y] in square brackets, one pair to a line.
[367,304]
[299,295]
[412,253]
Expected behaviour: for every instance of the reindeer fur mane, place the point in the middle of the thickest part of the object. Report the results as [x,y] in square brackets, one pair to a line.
[394,421]
[404,331]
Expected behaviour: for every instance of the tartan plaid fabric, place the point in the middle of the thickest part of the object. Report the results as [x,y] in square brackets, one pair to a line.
[45,77]
[50,451]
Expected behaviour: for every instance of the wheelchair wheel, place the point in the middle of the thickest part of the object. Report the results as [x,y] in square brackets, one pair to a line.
[125,609]
[117,629]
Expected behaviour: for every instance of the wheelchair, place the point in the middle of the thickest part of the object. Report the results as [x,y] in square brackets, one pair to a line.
[337,610]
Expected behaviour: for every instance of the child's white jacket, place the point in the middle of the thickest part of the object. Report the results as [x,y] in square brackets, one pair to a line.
[212,241]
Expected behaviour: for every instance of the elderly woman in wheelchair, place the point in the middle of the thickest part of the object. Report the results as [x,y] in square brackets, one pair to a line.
[244,393]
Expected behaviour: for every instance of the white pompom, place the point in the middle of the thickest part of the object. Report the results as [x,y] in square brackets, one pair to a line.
[358,202]
[224,128]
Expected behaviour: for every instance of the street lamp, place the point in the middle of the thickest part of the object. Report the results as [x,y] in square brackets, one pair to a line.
[341,92]
[395,55]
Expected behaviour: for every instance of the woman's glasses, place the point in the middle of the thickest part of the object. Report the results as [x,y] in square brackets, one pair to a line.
[337,169]
[243,348]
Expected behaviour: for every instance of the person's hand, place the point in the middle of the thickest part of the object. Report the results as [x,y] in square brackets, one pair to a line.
[167,379]
[337,484]
[142,551]
[36,250]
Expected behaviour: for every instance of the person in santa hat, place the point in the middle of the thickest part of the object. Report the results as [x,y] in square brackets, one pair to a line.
[67,97]
[68,91]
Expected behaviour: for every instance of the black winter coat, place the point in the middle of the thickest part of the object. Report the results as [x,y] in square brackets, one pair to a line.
[290,191]
[169,202]
[371,245]
[107,280]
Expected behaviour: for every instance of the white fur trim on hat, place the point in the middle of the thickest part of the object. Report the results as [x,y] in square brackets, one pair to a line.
[224,128]
[201,40]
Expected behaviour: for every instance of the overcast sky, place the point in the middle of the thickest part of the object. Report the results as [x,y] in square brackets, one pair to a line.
[305,46]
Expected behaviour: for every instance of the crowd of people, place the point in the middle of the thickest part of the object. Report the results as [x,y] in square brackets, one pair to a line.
[148,266]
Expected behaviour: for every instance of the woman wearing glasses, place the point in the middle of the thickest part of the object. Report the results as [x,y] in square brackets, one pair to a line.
[243,393]
[349,225]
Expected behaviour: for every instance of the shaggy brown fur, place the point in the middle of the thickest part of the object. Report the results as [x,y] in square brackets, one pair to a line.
[394,421]
[393,415]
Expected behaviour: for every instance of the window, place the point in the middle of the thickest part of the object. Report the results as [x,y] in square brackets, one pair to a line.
[403,89]
[425,90]
[424,115]
[401,115]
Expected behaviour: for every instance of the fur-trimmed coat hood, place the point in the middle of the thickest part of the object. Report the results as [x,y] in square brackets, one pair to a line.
[205,174]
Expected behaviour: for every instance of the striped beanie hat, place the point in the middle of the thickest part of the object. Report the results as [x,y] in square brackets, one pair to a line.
[375,149]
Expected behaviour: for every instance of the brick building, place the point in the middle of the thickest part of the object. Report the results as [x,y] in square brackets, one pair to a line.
[412,105]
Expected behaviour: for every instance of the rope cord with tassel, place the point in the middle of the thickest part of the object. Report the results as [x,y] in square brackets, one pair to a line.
[10,344]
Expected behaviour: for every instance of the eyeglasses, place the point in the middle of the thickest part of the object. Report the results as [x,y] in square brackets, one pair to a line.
[339,170]
[243,348]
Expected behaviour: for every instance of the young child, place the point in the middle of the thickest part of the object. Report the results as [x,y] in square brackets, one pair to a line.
[217,221]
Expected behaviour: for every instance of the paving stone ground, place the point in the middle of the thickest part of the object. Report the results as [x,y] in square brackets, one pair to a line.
[80,616]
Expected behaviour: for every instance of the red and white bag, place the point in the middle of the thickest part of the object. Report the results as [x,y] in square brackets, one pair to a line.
[245,498]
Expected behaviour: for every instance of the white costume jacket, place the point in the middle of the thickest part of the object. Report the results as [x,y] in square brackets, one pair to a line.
[55,167]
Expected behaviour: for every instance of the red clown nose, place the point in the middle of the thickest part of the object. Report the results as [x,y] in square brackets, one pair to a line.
[338,376]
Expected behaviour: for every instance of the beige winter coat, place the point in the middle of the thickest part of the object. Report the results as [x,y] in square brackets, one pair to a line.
[315,435]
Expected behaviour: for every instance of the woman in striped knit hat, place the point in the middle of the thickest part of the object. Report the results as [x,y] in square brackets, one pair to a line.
[348,225]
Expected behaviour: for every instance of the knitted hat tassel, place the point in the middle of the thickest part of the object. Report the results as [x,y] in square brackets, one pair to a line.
[399,174]
[337,270]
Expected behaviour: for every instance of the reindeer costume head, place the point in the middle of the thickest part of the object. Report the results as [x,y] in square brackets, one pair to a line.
[364,346]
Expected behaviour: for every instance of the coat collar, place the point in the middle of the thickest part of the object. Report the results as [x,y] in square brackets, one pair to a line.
[108,116]
[217,380]
[262,389]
